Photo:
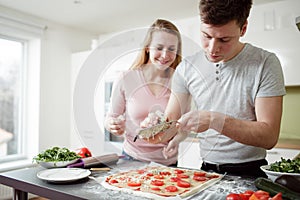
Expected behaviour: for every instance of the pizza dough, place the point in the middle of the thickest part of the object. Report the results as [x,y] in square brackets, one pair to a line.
[161,182]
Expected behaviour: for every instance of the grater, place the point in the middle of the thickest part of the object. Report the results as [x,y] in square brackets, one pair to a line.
[153,130]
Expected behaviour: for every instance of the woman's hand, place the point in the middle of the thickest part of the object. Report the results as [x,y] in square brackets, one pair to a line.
[115,125]
[172,148]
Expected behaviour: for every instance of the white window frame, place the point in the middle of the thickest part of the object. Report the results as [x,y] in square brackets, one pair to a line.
[31,33]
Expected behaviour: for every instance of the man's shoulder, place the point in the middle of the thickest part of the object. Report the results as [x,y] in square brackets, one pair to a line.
[251,49]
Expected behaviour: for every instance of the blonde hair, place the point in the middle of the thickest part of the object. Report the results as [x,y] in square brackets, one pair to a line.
[158,25]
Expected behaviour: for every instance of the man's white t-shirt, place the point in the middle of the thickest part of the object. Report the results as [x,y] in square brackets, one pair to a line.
[231,88]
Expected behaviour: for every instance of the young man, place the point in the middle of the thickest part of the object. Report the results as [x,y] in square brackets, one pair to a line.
[237,89]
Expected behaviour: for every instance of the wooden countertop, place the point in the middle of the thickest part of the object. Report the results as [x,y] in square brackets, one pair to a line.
[288,143]
[282,143]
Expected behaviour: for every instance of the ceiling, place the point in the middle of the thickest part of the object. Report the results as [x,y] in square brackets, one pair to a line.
[103,16]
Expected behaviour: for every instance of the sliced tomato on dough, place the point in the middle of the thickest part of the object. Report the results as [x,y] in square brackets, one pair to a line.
[159,176]
[199,173]
[183,184]
[113,181]
[165,173]
[134,184]
[141,171]
[155,188]
[157,182]
[200,178]
[171,188]
[174,179]
[183,176]
[178,171]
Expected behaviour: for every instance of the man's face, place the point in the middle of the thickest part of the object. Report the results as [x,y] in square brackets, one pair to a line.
[221,43]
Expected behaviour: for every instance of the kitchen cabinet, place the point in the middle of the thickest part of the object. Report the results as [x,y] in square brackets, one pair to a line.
[275,154]
[111,69]
[189,154]
[77,60]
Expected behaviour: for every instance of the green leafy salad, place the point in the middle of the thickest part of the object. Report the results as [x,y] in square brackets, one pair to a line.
[286,165]
[56,154]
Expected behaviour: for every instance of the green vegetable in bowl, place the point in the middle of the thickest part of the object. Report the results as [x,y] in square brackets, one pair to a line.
[56,154]
[286,165]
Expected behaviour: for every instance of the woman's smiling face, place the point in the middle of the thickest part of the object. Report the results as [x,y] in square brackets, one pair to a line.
[163,49]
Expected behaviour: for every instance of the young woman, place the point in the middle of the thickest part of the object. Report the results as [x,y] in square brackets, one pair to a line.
[144,89]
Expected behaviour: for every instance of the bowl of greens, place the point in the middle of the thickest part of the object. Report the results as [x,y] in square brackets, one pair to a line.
[56,157]
[283,167]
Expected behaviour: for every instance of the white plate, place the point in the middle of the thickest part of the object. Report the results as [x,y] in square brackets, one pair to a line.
[59,175]
[273,175]
[56,164]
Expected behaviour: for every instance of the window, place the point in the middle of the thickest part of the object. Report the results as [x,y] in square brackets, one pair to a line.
[11,87]
[20,50]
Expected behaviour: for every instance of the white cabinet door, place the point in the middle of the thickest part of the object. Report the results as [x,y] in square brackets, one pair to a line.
[275,154]
[189,155]
[77,61]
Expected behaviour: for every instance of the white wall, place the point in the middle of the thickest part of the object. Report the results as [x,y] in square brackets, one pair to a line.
[272,26]
[57,46]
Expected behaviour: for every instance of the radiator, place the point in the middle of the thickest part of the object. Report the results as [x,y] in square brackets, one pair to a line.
[5,192]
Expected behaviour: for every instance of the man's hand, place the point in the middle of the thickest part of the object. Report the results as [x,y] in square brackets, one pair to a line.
[196,121]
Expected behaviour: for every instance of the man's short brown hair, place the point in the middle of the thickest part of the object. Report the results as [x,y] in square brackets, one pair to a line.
[220,12]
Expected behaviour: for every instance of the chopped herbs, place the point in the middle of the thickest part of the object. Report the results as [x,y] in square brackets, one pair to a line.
[286,165]
[56,154]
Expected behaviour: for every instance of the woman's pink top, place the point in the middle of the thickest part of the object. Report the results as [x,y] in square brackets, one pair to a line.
[131,96]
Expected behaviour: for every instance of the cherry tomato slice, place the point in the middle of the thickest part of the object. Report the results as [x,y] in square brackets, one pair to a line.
[171,188]
[157,183]
[199,173]
[155,188]
[174,179]
[178,171]
[182,176]
[200,178]
[183,184]
[165,173]
[233,196]
[134,184]
[113,181]
[141,171]
[159,176]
